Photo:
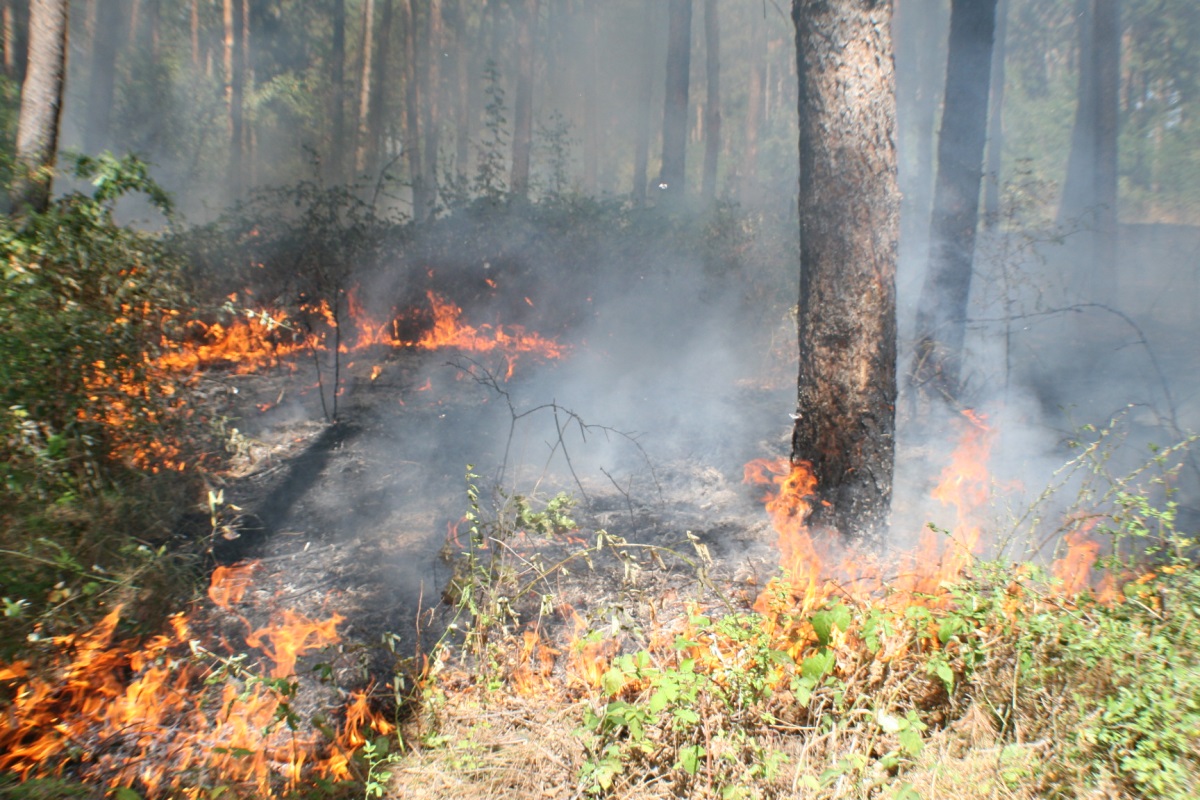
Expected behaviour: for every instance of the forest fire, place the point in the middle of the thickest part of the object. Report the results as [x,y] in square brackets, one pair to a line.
[152,714]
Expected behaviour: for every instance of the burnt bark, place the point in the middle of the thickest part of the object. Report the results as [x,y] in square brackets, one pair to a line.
[41,105]
[942,308]
[849,226]
[675,121]
[522,144]
[712,107]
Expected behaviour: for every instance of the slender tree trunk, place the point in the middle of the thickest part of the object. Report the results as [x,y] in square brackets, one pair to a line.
[849,226]
[362,147]
[527,14]
[232,18]
[41,105]
[1107,65]
[942,308]
[249,131]
[8,21]
[995,140]
[591,120]
[675,119]
[375,102]
[431,84]
[712,108]
[462,79]
[748,172]
[107,29]
[335,159]
[195,34]
[412,108]
[641,146]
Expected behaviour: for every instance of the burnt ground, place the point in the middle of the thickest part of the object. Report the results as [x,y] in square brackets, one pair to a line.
[352,517]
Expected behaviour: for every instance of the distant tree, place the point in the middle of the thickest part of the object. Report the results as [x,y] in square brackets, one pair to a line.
[995,136]
[232,17]
[712,106]
[1091,184]
[675,119]
[522,142]
[335,163]
[107,29]
[942,308]
[14,17]
[748,170]
[412,108]
[641,146]
[41,105]
[431,46]
[849,226]
[366,86]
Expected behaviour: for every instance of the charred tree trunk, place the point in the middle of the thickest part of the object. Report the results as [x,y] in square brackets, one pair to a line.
[232,18]
[942,308]
[335,160]
[712,108]
[849,226]
[41,105]
[675,121]
[107,28]
[527,13]
[641,146]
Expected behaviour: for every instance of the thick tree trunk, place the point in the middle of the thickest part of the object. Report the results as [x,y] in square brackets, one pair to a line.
[41,105]
[335,158]
[527,14]
[232,19]
[641,145]
[675,119]
[712,108]
[942,308]
[108,30]
[849,217]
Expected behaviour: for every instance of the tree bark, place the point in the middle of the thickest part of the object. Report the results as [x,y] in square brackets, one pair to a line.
[376,112]
[748,171]
[522,145]
[849,225]
[41,105]
[712,108]
[107,28]
[942,308]
[1107,64]
[675,107]
[462,79]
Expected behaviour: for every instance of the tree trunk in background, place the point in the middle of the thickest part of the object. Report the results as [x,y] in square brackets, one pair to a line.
[249,132]
[675,107]
[375,103]
[412,107]
[431,83]
[849,226]
[362,140]
[232,19]
[748,171]
[995,138]
[942,309]
[107,27]
[1107,51]
[41,105]
[641,144]
[712,108]
[194,28]
[463,75]
[591,120]
[335,162]
[1079,186]
[527,13]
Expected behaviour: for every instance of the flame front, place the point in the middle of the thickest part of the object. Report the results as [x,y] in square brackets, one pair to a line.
[154,714]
